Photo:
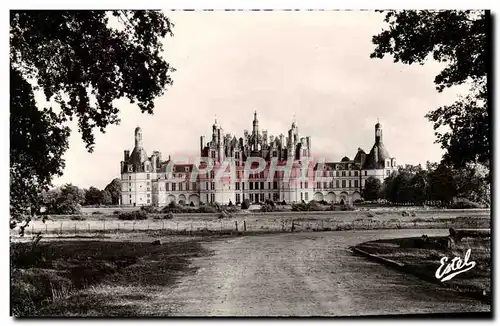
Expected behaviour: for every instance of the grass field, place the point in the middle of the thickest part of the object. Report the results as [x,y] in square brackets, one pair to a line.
[78,278]
[424,262]
[259,222]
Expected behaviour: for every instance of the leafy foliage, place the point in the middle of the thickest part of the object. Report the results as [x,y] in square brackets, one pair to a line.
[63,200]
[115,190]
[82,62]
[441,183]
[373,189]
[458,39]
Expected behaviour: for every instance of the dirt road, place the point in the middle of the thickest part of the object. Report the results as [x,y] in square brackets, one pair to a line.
[304,274]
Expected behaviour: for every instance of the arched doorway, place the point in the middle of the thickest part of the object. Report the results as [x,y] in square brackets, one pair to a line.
[195,199]
[318,196]
[330,197]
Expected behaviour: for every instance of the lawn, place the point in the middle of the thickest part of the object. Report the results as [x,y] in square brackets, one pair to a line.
[425,261]
[94,278]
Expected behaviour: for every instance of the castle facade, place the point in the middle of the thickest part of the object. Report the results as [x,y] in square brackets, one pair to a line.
[257,167]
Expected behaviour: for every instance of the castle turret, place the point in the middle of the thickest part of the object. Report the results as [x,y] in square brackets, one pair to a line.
[378,133]
[138,137]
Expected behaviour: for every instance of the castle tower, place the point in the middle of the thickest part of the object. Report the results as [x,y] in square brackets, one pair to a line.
[138,137]
[378,133]
[255,123]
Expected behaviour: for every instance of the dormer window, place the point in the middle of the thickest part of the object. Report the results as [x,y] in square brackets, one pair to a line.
[130,168]
[186,169]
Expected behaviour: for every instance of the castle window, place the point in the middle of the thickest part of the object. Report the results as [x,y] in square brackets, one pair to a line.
[173,186]
[355,173]
[194,186]
[212,198]
[261,197]
[349,173]
[331,173]
[130,168]
[149,195]
[307,196]
[212,185]
[262,175]
[301,184]
[212,174]
[337,184]
[318,185]
[388,172]
[237,155]
[251,185]
[167,186]
[180,186]
[355,183]
[269,185]
[149,201]
[343,183]
[275,197]
[343,173]
[261,185]
[366,173]
[301,196]
[148,189]
[130,177]
[237,185]
[306,185]
[147,176]
[350,184]
[213,154]
[337,173]
[331,184]
[325,185]
[275,185]
[325,173]
[275,153]
[187,185]
[186,169]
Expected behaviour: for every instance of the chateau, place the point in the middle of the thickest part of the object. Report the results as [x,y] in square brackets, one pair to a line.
[256,166]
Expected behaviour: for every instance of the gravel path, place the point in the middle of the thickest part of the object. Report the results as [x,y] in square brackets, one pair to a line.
[303,274]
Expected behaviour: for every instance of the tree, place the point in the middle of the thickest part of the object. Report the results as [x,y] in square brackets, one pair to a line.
[373,189]
[106,198]
[115,190]
[63,200]
[82,62]
[459,39]
[93,196]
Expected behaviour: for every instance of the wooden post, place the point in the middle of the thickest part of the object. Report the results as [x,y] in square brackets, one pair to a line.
[118,227]
[32,228]
[148,227]
[245,226]
[45,227]
[236,225]
[60,232]
[163,225]
[75,228]
[177,226]
[133,226]
[104,226]
[89,227]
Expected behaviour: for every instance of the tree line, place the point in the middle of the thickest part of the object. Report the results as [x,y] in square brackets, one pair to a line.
[439,183]
[68,199]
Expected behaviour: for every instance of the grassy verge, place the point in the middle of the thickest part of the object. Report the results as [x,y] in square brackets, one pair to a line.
[94,278]
[424,262]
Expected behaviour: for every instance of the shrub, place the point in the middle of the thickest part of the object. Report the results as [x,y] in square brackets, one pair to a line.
[370,215]
[116,212]
[266,208]
[182,202]
[347,207]
[97,213]
[169,216]
[172,207]
[464,203]
[207,209]
[245,204]
[131,216]
[299,207]
[359,201]
[323,202]
[404,213]
[78,218]
[150,209]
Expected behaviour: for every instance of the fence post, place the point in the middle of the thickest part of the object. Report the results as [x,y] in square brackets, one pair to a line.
[163,225]
[89,227]
[104,226]
[148,227]
[32,228]
[245,226]
[118,227]
[236,225]
[75,229]
[177,226]
[45,227]
[60,231]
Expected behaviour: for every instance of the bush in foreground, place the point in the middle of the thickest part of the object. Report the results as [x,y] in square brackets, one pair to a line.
[132,216]
[464,203]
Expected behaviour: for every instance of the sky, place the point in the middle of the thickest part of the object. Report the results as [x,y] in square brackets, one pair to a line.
[313,65]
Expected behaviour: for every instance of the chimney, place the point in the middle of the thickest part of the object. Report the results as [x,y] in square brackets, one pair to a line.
[126,155]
